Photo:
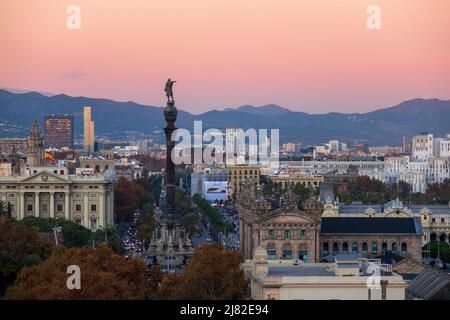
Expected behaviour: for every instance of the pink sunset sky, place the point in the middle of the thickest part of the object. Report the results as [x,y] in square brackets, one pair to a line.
[314,56]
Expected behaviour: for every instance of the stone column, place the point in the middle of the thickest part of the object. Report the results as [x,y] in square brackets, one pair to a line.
[86,210]
[101,211]
[36,204]
[52,204]
[67,205]
[21,209]
[111,207]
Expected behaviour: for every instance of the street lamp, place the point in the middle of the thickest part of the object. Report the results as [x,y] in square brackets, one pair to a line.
[56,229]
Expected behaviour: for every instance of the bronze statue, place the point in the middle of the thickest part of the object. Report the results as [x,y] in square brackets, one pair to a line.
[168,90]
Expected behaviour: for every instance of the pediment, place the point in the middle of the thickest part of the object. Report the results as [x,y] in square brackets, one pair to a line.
[281,217]
[45,177]
[399,214]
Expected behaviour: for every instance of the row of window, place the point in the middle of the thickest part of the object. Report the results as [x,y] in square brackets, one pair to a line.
[287,255]
[59,208]
[287,234]
[364,248]
[240,172]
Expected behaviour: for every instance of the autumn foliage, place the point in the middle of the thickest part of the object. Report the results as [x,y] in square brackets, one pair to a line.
[212,274]
[104,275]
[128,197]
[19,247]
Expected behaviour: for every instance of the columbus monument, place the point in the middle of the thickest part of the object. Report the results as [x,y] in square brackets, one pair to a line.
[170,246]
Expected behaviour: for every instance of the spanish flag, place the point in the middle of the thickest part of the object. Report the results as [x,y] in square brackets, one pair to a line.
[49,157]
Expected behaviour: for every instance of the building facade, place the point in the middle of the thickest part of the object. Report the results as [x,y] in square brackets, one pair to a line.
[290,233]
[435,219]
[347,278]
[88,130]
[238,173]
[8,145]
[49,192]
[307,180]
[58,132]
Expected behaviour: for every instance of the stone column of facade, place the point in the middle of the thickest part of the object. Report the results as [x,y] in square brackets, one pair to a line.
[111,207]
[21,209]
[52,204]
[101,211]
[36,204]
[67,205]
[86,210]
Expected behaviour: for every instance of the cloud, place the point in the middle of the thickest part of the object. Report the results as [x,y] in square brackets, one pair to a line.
[74,73]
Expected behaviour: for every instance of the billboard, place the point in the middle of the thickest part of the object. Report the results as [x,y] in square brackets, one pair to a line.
[215,190]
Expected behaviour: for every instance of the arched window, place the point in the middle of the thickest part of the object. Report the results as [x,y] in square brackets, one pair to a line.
[384,248]
[404,249]
[433,237]
[364,248]
[374,248]
[394,247]
[345,247]
[303,255]
[335,248]
[271,254]
[287,234]
[303,233]
[271,233]
[271,251]
[355,248]
[325,249]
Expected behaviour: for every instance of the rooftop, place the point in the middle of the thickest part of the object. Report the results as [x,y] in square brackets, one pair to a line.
[370,226]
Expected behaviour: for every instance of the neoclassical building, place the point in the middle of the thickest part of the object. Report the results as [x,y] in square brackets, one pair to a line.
[435,219]
[285,232]
[289,233]
[49,192]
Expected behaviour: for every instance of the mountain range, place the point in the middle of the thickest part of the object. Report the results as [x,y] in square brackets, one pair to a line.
[121,120]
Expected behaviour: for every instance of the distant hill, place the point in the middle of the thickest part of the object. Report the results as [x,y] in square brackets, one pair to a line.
[266,110]
[128,119]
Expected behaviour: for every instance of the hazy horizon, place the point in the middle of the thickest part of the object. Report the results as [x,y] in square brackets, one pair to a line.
[50,94]
[314,56]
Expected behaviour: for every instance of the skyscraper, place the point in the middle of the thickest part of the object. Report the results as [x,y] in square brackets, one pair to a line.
[88,130]
[58,131]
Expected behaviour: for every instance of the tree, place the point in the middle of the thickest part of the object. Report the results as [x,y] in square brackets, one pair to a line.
[212,214]
[190,223]
[74,235]
[128,197]
[110,237]
[302,192]
[104,275]
[19,246]
[444,250]
[212,274]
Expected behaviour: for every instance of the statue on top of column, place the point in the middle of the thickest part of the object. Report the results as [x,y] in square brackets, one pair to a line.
[169,91]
